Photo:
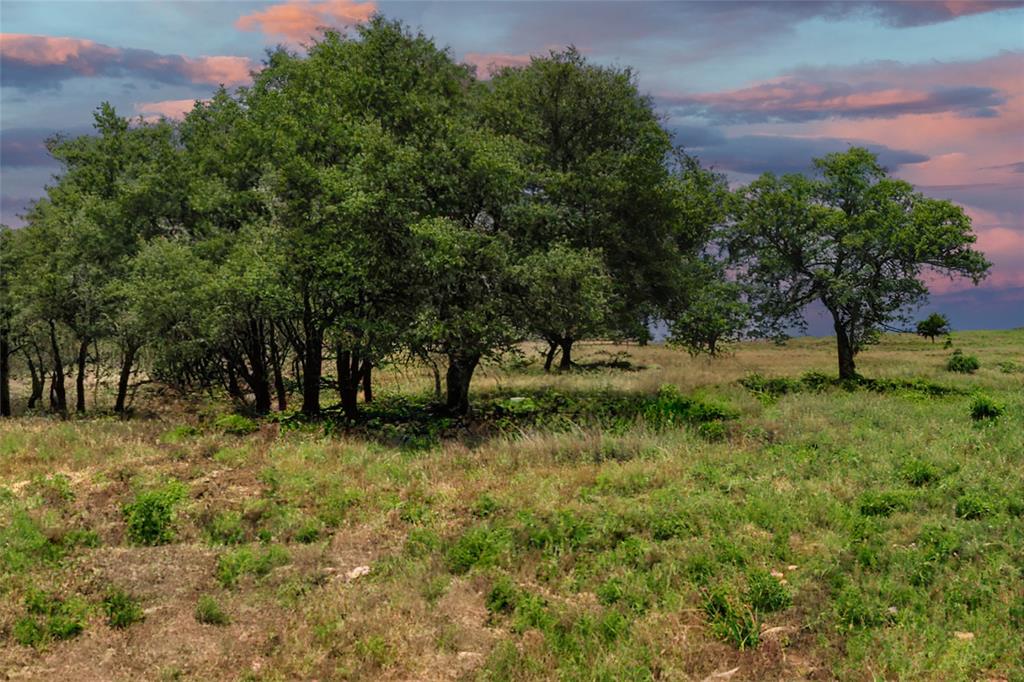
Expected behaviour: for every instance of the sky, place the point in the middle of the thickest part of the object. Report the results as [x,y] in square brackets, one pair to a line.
[936,88]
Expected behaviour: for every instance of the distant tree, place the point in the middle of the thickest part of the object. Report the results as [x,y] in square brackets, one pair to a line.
[713,312]
[567,295]
[854,239]
[934,325]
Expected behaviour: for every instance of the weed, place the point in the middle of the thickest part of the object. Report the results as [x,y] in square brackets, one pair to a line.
[1011,367]
[975,505]
[179,434]
[236,424]
[730,619]
[919,473]
[503,597]
[765,593]
[983,407]
[122,609]
[881,503]
[481,546]
[209,612]
[233,565]
[49,618]
[150,516]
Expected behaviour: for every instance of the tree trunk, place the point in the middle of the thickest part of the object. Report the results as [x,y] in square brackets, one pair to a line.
[549,357]
[312,360]
[460,374]
[847,369]
[127,363]
[5,373]
[566,363]
[275,361]
[348,382]
[437,380]
[38,382]
[367,381]
[83,356]
[58,396]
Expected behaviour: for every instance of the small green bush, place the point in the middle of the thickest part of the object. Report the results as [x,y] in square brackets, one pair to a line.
[730,619]
[855,610]
[209,612]
[226,528]
[233,565]
[974,505]
[503,596]
[983,407]
[150,516]
[179,434]
[965,364]
[49,618]
[235,424]
[919,473]
[122,609]
[766,594]
[479,546]
[881,503]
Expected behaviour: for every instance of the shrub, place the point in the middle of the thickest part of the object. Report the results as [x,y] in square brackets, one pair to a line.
[881,503]
[209,612]
[479,546]
[226,528]
[503,596]
[235,424]
[731,620]
[919,473]
[855,610]
[179,434]
[150,516]
[983,407]
[232,566]
[122,610]
[974,505]
[965,364]
[766,594]
[49,618]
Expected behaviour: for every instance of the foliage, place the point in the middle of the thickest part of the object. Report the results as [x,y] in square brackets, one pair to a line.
[964,364]
[236,424]
[122,609]
[150,516]
[934,325]
[984,407]
[209,612]
[854,239]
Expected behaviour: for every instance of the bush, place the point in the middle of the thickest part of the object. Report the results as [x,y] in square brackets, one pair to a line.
[209,612]
[983,407]
[150,516]
[49,618]
[965,364]
[236,424]
[766,594]
[121,609]
[974,505]
[881,503]
[919,473]
[503,597]
[731,620]
[479,546]
[226,529]
[232,566]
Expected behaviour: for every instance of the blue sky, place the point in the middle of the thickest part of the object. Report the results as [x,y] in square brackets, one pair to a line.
[936,88]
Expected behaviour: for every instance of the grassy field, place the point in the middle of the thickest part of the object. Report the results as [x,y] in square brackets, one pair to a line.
[651,516]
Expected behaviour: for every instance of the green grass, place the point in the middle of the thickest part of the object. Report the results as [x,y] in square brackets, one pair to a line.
[675,521]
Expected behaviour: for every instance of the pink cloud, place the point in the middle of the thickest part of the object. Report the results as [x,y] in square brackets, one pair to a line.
[36,62]
[297,20]
[171,108]
[34,50]
[489,63]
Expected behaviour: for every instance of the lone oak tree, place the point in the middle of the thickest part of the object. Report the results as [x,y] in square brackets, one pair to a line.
[854,239]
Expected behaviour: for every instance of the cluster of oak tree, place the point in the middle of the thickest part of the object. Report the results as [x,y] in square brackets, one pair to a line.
[369,200]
